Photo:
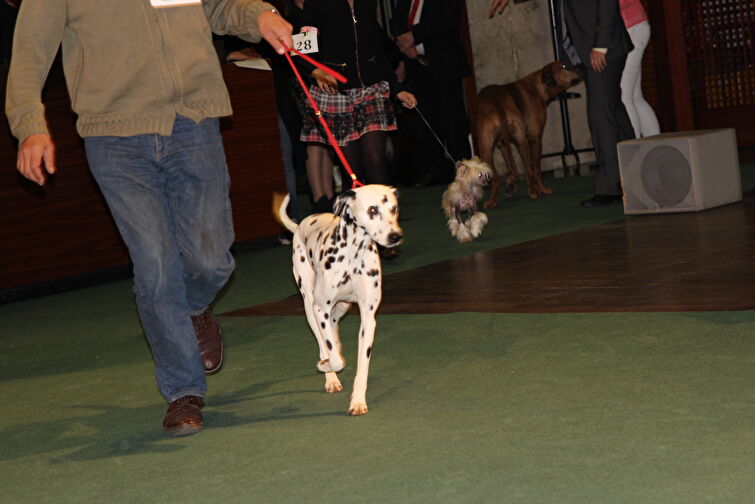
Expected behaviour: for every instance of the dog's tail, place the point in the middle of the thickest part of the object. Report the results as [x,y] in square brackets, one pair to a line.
[280,203]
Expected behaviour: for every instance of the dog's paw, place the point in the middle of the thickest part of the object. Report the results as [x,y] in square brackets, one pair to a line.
[463,234]
[332,383]
[357,408]
[490,204]
[477,223]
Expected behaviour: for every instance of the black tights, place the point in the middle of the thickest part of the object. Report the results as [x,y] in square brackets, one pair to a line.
[366,156]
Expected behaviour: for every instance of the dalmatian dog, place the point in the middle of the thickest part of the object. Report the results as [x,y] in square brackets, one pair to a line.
[336,263]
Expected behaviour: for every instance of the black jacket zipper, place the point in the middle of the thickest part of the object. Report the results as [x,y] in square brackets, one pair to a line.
[356,45]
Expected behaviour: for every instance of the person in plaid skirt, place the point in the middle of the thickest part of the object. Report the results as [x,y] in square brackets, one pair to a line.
[359,112]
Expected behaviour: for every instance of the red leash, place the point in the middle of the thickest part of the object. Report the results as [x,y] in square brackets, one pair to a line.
[318,112]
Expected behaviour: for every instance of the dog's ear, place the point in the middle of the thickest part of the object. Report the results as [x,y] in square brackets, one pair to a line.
[547,77]
[461,169]
[342,201]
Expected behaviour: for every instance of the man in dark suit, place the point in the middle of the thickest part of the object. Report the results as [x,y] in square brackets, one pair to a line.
[429,36]
[601,42]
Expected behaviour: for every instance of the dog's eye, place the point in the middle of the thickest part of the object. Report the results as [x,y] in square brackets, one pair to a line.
[372,211]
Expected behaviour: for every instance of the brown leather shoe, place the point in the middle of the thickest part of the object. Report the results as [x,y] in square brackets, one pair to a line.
[210,341]
[184,416]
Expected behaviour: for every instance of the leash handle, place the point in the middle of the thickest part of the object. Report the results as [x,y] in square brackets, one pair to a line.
[354,181]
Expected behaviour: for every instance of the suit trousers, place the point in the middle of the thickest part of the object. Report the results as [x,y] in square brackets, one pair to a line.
[608,119]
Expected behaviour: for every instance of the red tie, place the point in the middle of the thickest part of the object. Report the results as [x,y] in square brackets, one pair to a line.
[413,12]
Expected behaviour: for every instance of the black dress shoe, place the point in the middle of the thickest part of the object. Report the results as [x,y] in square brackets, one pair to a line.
[600,200]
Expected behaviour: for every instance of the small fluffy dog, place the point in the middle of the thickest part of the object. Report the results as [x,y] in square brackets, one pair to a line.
[461,198]
[336,263]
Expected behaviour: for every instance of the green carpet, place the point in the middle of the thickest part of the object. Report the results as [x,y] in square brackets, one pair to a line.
[464,408]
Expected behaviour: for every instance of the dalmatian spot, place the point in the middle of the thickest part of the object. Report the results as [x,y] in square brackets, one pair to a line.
[298,281]
[327,302]
[340,258]
[321,253]
[376,283]
[301,258]
[322,324]
[369,351]
[330,345]
[327,265]
[326,316]
[373,272]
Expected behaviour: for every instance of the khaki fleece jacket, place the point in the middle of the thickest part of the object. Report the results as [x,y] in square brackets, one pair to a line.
[129,67]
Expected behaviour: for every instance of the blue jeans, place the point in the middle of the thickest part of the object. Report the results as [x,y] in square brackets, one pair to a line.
[169,198]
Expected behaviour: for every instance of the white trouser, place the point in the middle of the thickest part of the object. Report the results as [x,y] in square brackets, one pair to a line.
[644,121]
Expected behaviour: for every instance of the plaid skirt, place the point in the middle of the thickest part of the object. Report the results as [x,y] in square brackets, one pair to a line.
[349,113]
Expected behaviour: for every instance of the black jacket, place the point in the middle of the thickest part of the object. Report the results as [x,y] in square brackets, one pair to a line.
[354,46]
[439,31]
[596,23]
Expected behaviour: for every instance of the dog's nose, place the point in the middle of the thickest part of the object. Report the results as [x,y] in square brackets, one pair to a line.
[394,238]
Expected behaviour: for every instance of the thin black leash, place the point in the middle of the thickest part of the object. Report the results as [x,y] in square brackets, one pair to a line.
[448,155]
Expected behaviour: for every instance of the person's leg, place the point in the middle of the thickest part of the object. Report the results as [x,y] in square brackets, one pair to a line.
[372,157]
[609,122]
[289,172]
[630,80]
[648,122]
[319,171]
[128,171]
[193,161]
[352,153]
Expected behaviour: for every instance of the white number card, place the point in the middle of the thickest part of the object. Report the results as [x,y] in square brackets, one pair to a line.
[306,41]
[173,3]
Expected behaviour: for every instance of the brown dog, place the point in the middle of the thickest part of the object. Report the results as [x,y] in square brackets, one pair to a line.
[516,113]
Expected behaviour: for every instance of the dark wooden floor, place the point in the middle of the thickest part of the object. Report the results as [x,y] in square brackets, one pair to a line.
[662,262]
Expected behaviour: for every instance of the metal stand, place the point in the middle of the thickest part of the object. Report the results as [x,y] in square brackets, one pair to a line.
[568,149]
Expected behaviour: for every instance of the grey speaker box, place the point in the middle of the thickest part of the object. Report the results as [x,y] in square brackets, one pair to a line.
[685,171]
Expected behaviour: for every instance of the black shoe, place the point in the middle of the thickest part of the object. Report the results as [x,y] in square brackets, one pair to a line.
[323,205]
[600,200]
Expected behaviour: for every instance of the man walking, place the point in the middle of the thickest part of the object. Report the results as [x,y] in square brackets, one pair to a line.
[146,84]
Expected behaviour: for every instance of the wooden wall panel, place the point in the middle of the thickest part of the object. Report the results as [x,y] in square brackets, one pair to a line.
[64,229]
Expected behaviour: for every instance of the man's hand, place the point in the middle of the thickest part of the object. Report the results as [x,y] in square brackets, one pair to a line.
[410,52]
[326,81]
[36,155]
[405,41]
[598,60]
[497,5]
[276,30]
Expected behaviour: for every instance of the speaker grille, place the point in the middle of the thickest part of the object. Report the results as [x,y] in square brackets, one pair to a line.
[666,176]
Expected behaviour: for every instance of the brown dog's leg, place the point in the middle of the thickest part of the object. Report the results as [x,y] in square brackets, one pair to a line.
[487,136]
[535,176]
[512,174]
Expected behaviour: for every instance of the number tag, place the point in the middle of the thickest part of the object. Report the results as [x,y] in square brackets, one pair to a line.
[306,41]
[173,3]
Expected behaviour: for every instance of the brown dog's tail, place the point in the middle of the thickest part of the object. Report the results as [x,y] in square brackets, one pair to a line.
[280,203]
